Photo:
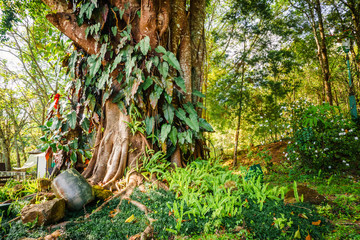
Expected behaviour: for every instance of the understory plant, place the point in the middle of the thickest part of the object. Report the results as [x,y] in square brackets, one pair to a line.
[213,198]
[13,189]
[326,140]
[204,198]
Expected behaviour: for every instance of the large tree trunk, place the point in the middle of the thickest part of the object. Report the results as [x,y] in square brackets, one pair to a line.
[166,23]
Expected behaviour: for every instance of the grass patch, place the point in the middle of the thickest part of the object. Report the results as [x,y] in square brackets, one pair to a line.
[205,201]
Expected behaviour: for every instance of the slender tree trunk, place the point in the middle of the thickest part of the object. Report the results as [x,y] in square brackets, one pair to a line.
[237,136]
[316,22]
[323,54]
[239,116]
[5,144]
[23,148]
[18,161]
[336,98]
[354,7]
[6,155]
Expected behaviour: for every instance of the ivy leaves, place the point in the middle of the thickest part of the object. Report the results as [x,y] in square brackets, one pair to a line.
[71,117]
[169,112]
[94,64]
[151,79]
[144,45]
[165,130]
[191,121]
[169,57]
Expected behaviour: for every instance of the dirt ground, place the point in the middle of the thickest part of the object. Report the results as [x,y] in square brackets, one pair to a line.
[250,157]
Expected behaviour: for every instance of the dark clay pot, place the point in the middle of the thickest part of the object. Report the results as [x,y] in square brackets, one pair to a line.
[74,188]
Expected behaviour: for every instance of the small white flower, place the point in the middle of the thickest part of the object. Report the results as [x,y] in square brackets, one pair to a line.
[344,161]
[329,167]
[347,164]
[356,138]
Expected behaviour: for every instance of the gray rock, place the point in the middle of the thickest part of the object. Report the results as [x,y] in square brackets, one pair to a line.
[45,213]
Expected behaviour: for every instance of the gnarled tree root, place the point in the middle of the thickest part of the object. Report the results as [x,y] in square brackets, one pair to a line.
[134,180]
[117,148]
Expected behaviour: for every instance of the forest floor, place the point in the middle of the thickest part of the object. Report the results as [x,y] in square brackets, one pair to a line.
[177,218]
[341,190]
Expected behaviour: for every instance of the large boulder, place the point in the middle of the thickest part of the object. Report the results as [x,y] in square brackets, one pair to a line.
[44,213]
[309,195]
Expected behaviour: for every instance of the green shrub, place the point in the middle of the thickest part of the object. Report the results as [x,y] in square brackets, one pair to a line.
[14,189]
[327,140]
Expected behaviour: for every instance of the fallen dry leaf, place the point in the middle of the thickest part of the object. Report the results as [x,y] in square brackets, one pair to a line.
[308,237]
[114,212]
[238,228]
[303,216]
[56,234]
[316,223]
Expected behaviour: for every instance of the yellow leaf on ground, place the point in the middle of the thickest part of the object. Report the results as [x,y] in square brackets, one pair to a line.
[130,219]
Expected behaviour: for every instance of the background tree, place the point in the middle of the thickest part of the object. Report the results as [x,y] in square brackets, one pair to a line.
[312,9]
[30,67]
[12,123]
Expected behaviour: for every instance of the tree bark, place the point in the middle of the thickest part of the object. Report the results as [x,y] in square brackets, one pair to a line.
[6,155]
[239,115]
[18,161]
[314,8]
[5,143]
[166,23]
[323,53]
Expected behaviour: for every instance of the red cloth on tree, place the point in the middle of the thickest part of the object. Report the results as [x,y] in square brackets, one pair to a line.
[56,99]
